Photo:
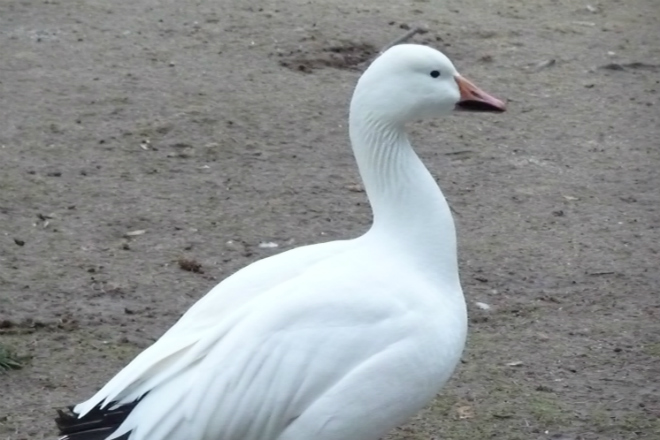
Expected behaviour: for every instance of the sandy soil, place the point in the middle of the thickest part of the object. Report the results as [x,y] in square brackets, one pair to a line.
[214,126]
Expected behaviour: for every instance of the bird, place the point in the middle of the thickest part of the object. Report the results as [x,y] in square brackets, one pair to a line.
[342,340]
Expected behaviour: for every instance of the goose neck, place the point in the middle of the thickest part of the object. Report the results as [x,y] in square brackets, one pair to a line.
[407,204]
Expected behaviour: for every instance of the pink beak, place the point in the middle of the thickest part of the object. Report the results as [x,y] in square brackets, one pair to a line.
[476,100]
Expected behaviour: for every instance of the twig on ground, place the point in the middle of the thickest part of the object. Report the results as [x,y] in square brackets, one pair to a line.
[403,38]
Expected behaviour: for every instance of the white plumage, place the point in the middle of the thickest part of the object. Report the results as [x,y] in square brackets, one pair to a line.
[336,341]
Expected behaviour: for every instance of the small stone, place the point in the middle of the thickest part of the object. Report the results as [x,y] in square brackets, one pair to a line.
[482,306]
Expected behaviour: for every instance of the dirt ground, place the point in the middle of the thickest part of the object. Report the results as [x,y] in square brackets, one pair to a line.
[134,134]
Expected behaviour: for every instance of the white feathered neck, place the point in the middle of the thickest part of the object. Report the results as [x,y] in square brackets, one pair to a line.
[407,204]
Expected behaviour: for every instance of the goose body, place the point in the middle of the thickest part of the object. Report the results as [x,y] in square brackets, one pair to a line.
[336,341]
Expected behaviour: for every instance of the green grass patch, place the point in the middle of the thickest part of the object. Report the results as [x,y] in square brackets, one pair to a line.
[9,360]
[652,349]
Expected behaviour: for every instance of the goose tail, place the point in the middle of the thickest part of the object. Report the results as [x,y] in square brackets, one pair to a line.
[97,424]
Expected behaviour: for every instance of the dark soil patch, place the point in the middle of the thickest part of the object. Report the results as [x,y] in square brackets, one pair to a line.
[349,56]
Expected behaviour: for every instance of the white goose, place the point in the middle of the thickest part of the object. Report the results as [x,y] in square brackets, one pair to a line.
[337,341]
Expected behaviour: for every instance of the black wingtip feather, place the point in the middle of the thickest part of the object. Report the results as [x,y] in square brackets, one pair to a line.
[97,424]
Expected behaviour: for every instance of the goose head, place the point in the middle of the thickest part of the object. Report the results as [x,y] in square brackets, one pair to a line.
[409,82]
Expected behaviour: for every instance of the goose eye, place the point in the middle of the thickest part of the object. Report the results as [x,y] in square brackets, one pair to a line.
[435,73]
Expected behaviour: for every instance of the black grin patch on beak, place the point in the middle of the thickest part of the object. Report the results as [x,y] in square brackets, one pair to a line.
[477,106]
